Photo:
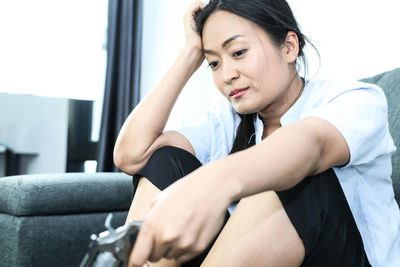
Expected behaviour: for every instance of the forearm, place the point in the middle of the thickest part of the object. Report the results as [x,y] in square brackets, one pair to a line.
[147,121]
[279,162]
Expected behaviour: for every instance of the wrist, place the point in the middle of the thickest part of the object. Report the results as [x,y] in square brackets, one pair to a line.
[193,56]
[224,180]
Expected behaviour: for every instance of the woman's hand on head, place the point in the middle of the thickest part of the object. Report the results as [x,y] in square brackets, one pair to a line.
[192,37]
[183,220]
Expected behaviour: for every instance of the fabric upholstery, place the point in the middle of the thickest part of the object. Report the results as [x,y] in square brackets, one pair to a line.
[64,193]
[47,220]
[51,240]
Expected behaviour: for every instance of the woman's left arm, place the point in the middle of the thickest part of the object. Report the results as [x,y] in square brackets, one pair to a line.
[284,158]
[188,214]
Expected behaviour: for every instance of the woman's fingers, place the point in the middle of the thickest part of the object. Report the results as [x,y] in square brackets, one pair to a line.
[192,36]
[143,247]
[153,244]
[186,243]
[196,5]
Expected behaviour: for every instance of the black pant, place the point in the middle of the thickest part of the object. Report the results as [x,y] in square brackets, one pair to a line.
[316,207]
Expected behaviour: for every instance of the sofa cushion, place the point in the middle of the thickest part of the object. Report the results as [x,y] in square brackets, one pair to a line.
[390,83]
[69,193]
[50,240]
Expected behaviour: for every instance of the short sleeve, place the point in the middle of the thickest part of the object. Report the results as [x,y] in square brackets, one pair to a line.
[212,134]
[360,115]
[198,132]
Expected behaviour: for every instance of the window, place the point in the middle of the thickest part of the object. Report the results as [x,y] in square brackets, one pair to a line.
[53,48]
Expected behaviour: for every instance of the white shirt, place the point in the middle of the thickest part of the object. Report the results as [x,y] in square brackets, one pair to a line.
[359,111]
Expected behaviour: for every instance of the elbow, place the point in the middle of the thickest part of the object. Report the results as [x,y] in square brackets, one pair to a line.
[118,161]
[125,162]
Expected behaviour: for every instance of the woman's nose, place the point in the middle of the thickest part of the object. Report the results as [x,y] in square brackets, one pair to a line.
[230,74]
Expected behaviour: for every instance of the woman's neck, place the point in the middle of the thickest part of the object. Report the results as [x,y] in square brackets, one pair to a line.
[271,116]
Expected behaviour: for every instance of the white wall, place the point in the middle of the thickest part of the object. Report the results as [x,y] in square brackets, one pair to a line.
[163,38]
[356,38]
[38,125]
[53,48]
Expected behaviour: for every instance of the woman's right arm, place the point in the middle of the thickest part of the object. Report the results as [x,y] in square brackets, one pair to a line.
[142,132]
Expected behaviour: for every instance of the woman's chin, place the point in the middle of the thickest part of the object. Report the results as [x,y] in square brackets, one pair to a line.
[242,109]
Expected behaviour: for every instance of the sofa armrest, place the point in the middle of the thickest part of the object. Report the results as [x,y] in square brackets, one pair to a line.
[46,220]
[68,193]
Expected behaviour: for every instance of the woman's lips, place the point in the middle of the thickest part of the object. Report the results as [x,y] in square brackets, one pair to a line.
[237,93]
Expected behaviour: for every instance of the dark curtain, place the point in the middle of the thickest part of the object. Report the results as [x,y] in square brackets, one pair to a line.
[122,76]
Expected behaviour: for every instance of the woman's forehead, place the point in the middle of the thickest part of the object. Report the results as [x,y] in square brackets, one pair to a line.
[222,26]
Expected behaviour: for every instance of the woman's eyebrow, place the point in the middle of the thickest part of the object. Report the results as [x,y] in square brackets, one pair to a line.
[225,43]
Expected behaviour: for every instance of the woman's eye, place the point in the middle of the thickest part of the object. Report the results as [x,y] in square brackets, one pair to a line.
[239,53]
[213,64]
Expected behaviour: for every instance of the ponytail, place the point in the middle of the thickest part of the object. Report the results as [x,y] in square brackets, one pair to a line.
[245,135]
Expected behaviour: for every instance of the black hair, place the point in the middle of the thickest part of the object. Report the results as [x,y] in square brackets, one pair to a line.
[276,18]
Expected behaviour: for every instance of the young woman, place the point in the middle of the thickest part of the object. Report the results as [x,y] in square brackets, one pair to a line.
[286,172]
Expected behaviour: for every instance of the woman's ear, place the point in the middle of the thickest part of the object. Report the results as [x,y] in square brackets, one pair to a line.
[291,47]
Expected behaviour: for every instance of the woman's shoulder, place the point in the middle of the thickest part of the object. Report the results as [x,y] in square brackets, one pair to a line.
[326,90]
[339,85]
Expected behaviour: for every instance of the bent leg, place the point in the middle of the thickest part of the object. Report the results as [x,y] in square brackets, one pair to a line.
[165,166]
[259,233]
[144,194]
[310,224]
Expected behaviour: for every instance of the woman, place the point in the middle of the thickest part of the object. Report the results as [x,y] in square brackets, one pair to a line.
[304,170]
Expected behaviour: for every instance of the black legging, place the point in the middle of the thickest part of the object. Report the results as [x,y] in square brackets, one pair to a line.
[316,207]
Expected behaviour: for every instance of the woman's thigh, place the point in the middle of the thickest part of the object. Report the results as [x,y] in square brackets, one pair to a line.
[258,233]
[166,165]
[144,195]
[310,224]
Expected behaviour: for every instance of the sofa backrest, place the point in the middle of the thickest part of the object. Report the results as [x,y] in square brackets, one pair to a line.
[390,83]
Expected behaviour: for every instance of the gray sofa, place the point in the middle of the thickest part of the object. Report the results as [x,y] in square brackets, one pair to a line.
[46,220]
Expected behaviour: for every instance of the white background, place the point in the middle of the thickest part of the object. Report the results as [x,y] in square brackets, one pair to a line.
[56,47]
[50,50]
[53,47]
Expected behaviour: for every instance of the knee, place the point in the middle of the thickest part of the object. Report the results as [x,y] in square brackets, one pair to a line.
[170,153]
[165,153]
[173,160]
[166,165]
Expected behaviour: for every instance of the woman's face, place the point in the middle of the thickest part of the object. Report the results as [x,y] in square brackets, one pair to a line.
[248,68]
